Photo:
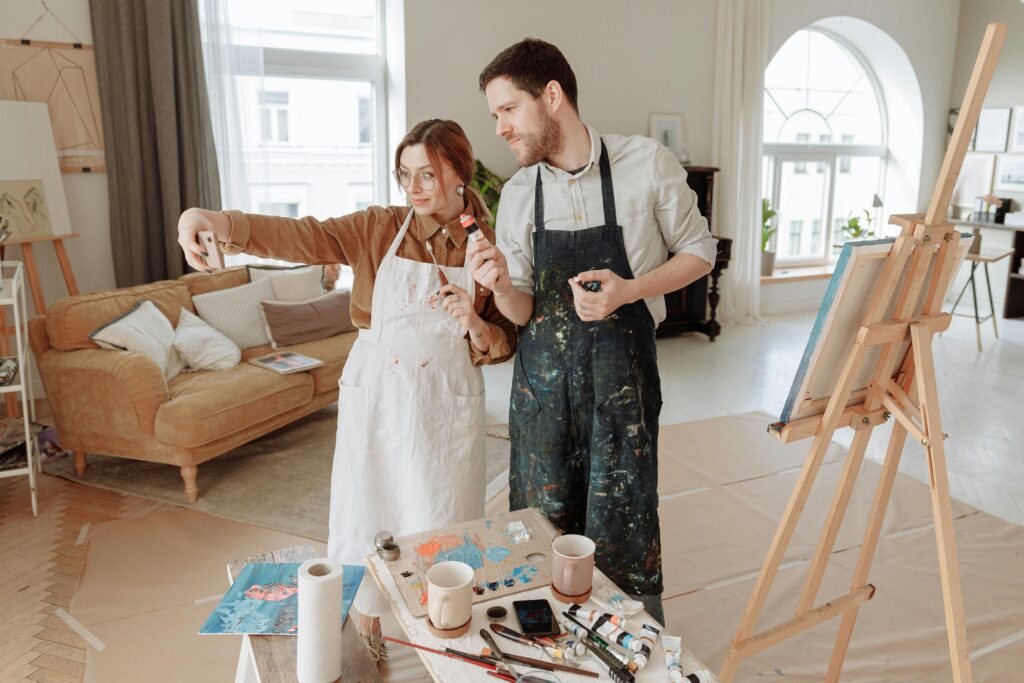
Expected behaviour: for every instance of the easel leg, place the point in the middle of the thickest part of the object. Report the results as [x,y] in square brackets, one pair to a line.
[949,565]
[867,550]
[840,501]
[34,284]
[65,267]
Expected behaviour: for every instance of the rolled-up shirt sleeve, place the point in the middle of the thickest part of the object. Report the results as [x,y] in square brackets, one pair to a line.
[684,230]
[514,236]
[504,336]
[303,240]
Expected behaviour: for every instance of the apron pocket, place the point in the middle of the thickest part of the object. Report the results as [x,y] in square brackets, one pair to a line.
[353,418]
[625,415]
[466,427]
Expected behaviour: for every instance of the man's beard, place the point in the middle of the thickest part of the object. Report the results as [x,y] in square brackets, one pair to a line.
[541,145]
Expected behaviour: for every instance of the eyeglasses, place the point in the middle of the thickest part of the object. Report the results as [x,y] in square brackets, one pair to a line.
[426,179]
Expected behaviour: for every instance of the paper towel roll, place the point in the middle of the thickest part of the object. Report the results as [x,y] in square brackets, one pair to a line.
[319,647]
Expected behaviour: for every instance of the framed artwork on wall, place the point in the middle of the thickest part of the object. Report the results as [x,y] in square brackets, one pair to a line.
[993,129]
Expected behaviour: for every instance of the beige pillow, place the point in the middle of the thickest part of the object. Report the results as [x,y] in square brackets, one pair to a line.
[291,284]
[295,322]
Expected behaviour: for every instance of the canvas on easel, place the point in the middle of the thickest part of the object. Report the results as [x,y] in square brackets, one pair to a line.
[870,359]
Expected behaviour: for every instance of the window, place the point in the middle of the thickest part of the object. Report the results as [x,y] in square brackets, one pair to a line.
[311,81]
[818,91]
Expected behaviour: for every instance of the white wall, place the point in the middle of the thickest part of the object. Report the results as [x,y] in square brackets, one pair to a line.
[86,193]
[629,60]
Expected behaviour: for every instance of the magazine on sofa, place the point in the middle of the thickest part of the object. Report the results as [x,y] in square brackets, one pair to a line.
[286,362]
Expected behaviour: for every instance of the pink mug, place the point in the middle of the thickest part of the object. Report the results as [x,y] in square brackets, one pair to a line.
[573,570]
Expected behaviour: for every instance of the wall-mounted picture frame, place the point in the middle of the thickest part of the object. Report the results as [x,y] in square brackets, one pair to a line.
[975,179]
[1017,132]
[670,130]
[993,130]
[1009,173]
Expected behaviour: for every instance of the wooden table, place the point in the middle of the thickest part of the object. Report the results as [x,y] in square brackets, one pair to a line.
[447,670]
[272,659]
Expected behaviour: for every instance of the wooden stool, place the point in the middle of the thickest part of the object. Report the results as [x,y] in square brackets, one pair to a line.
[984,257]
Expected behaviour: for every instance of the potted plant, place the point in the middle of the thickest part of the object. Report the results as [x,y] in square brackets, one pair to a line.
[767,230]
[855,229]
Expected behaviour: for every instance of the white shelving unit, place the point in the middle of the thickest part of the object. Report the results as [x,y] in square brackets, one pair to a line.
[12,294]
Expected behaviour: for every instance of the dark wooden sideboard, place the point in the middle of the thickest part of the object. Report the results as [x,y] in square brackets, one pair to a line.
[694,308]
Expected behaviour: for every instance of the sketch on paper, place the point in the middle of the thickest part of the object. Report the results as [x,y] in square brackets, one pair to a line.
[264,600]
[23,204]
[63,78]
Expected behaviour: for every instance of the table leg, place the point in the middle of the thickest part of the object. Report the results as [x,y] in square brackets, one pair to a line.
[991,302]
[974,295]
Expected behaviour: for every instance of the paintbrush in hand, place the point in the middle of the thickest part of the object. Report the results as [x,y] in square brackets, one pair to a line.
[430,250]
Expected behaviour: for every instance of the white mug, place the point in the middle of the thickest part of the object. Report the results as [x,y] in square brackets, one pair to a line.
[450,594]
[573,565]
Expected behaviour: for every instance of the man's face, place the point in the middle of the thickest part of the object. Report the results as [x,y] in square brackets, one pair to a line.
[530,131]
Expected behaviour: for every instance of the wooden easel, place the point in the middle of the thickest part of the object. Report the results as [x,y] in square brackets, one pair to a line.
[35,286]
[905,389]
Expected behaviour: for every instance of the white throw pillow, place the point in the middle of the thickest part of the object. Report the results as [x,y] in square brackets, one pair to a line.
[237,313]
[146,330]
[292,284]
[202,347]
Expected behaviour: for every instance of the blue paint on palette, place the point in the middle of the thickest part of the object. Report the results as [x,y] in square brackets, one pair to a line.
[497,553]
[524,573]
[468,552]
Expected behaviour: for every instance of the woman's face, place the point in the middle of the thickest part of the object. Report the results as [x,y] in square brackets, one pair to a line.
[415,167]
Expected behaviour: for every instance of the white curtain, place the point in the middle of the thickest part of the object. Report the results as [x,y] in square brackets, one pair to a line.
[245,169]
[741,56]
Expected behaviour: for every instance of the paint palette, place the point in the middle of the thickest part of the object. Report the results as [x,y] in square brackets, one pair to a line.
[509,553]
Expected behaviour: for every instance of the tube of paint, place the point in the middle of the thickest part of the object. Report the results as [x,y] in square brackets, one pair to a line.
[574,646]
[473,231]
[649,634]
[641,658]
[613,632]
[591,615]
[588,639]
[673,646]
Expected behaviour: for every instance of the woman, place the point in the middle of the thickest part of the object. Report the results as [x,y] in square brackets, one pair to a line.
[410,448]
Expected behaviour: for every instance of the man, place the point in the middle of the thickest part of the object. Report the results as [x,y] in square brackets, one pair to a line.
[591,232]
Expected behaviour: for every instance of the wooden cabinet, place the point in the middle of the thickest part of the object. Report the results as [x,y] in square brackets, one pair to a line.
[694,308]
[1013,307]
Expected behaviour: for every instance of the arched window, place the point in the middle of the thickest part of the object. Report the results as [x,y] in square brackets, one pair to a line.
[825,145]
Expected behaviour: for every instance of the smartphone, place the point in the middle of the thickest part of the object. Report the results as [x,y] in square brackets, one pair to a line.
[536,618]
[211,245]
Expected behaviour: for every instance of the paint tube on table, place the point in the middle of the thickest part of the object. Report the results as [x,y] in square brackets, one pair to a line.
[673,647]
[620,637]
[648,637]
[589,639]
[591,615]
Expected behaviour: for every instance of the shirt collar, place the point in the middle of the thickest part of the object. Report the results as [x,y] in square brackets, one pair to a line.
[425,227]
[595,156]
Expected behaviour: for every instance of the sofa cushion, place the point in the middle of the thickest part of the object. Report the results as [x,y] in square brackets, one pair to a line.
[237,313]
[296,322]
[209,405]
[201,283]
[333,351]
[291,284]
[146,330]
[70,320]
[202,347]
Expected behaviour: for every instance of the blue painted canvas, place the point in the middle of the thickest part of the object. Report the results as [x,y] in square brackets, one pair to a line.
[264,600]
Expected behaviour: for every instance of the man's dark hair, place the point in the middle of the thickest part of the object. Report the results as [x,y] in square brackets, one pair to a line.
[531,64]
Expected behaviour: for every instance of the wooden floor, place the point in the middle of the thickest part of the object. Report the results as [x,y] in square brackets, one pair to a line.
[40,563]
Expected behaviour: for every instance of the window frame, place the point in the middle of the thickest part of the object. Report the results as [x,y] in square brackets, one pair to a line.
[777,153]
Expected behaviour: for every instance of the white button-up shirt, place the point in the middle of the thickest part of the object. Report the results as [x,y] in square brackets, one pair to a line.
[655,207]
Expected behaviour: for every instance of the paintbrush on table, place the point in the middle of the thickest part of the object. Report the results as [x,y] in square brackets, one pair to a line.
[430,250]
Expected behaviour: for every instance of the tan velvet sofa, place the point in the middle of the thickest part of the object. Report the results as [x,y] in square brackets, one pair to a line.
[118,402]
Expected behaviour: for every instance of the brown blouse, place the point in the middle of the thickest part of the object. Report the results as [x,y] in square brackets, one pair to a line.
[360,240]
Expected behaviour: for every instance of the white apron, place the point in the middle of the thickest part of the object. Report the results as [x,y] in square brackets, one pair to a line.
[410,449]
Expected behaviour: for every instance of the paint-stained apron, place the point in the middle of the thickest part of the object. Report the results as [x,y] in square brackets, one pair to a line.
[585,402]
[410,449]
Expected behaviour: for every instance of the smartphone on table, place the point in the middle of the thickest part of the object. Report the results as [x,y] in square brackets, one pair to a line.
[536,618]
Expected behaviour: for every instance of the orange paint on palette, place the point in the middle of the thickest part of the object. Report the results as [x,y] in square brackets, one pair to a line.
[435,545]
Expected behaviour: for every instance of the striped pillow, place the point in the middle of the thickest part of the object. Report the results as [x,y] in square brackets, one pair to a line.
[237,312]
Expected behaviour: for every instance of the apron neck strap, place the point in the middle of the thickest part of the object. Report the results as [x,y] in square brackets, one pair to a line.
[607,193]
[393,249]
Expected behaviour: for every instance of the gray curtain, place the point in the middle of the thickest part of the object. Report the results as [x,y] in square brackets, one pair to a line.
[160,154]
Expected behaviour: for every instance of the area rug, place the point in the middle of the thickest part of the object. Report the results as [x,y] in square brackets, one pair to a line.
[281,481]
